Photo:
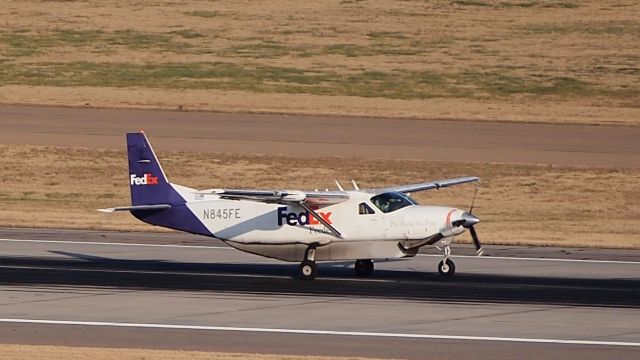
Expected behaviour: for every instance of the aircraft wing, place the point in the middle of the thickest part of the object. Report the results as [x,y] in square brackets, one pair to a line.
[431,185]
[310,198]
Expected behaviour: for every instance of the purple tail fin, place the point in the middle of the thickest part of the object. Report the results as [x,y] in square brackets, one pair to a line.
[149,185]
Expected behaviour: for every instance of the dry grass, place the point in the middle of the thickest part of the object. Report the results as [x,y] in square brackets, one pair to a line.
[519,204]
[548,61]
[42,352]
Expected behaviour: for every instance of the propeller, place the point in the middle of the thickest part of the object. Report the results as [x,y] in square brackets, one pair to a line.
[476,241]
[472,230]
[468,220]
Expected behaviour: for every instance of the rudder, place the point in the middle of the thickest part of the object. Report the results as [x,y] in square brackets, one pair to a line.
[147,181]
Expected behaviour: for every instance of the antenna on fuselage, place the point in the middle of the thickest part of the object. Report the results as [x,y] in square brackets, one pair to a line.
[355,186]
[339,186]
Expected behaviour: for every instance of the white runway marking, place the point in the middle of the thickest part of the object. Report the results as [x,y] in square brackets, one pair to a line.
[538,259]
[320,332]
[118,244]
[230,248]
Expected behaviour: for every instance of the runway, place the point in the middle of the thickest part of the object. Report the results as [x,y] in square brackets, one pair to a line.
[604,146]
[176,291]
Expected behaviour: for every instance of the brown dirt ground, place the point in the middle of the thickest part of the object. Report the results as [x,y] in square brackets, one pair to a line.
[518,204]
[591,41]
[41,352]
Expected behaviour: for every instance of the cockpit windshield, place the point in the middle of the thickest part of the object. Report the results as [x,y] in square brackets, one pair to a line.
[392,201]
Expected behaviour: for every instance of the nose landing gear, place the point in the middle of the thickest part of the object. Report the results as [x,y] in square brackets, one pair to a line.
[446,267]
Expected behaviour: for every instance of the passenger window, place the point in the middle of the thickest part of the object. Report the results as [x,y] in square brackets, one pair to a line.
[364,209]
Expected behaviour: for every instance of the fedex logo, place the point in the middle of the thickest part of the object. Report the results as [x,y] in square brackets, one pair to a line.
[146,179]
[303,218]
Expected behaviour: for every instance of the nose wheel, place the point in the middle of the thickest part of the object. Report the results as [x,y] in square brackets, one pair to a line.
[446,267]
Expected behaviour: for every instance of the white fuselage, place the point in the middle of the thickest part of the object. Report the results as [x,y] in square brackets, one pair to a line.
[286,231]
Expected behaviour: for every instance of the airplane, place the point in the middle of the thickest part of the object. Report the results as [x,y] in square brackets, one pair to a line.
[361,225]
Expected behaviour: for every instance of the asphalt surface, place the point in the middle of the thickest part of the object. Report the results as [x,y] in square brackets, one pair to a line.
[505,306]
[603,146]
[118,289]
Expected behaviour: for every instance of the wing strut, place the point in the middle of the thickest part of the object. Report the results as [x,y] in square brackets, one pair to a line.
[333,230]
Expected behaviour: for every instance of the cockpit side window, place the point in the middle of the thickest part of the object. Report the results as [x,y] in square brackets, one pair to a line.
[364,209]
[390,202]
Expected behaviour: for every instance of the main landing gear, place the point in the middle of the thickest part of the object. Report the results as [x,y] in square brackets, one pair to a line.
[308,268]
[364,268]
[446,267]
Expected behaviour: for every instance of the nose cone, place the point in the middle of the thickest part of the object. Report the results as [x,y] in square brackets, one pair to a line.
[469,219]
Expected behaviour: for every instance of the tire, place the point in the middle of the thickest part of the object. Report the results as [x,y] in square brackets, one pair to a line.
[307,270]
[364,268]
[447,269]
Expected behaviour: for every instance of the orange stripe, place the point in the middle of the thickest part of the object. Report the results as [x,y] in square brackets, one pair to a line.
[449,216]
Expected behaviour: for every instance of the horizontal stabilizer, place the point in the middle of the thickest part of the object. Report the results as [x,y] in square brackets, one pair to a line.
[137,207]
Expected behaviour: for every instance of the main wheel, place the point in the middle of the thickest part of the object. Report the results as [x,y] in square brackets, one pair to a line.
[447,268]
[364,268]
[308,270]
